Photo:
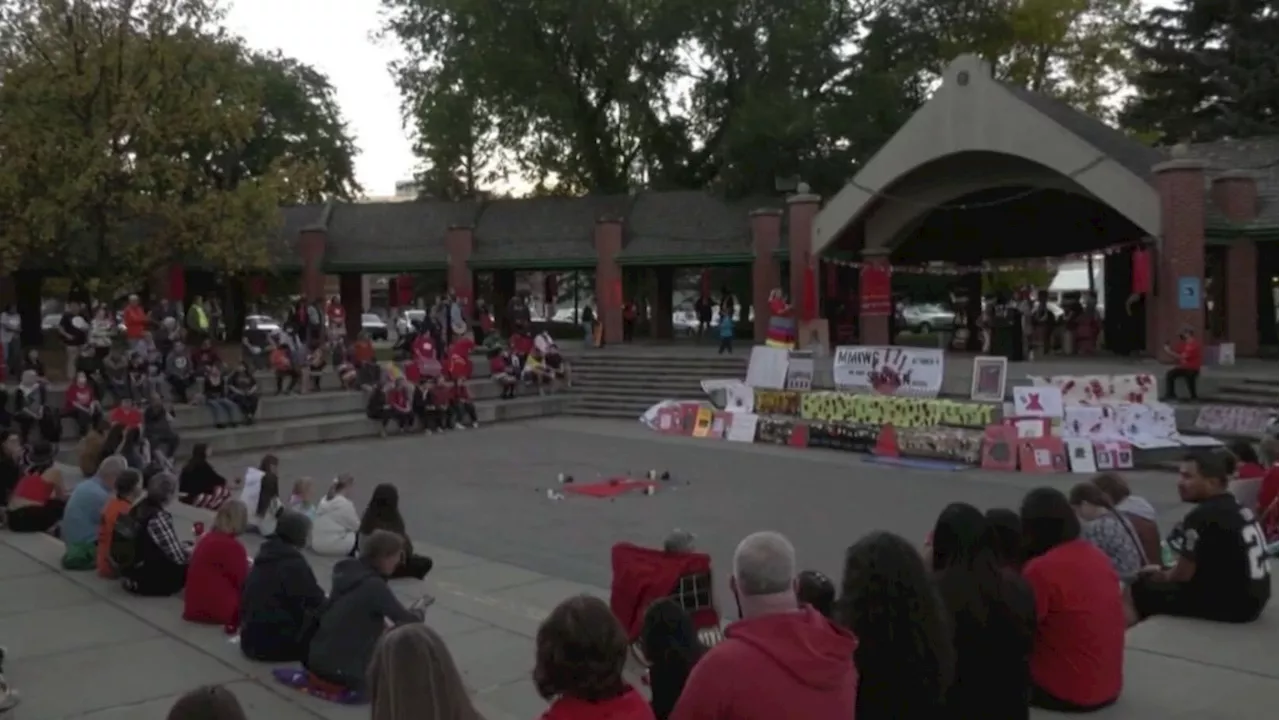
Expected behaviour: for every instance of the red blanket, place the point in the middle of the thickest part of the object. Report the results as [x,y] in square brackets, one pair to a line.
[612,487]
[643,575]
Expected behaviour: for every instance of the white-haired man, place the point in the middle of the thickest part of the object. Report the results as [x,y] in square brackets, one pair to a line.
[782,659]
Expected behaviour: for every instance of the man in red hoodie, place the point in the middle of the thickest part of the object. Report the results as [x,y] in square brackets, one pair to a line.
[782,659]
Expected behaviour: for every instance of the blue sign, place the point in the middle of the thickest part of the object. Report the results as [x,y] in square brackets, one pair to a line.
[1189,293]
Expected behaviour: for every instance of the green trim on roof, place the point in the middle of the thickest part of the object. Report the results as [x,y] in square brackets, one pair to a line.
[578,263]
[1227,231]
[383,268]
[694,260]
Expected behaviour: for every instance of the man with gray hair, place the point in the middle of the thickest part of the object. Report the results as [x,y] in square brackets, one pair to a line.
[82,516]
[782,659]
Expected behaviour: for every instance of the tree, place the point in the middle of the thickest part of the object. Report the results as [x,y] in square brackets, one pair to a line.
[133,133]
[1207,71]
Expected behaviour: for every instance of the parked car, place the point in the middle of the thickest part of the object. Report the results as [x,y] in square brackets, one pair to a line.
[374,327]
[927,317]
[404,323]
[265,323]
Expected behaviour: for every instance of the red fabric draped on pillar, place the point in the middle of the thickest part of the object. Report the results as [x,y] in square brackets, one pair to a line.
[875,288]
[1141,272]
[404,290]
[177,282]
[809,302]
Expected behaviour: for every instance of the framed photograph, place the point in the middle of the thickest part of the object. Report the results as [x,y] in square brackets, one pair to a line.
[989,376]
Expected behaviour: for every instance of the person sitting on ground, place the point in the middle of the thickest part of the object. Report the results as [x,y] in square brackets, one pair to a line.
[442,400]
[115,369]
[992,615]
[300,498]
[1006,537]
[280,595]
[206,356]
[37,502]
[503,372]
[1108,530]
[535,371]
[242,390]
[1248,465]
[337,524]
[81,404]
[317,360]
[399,407]
[82,516]
[357,613]
[463,406]
[211,702]
[817,591]
[679,541]
[1268,490]
[159,559]
[1189,356]
[218,570]
[33,411]
[113,442]
[781,659]
[126,413]
[1220,572]
[89,449]
[383,513]
[1140,513]
[905,658]
[179,372]
[135,450]
[670,644]
[413,676]
[268,506]
[157,423]
[214,395]
[375,407]
[424,408]
[127,492]
[581,651]
[1077,660]
[11,461]
[365,358]
[282,365]
[345,366]
[199,484]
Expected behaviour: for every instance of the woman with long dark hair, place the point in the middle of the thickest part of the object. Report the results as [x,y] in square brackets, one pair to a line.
[905,658]
[1077,662]
[1006,536]
[383,513]
[993,615]
[670,642]
[199,484]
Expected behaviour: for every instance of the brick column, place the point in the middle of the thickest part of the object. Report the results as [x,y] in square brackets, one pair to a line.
[312,242]
[873,329]
[458,243]
[608,241]
[1180,183]
[766,235]
[1235,195]
[801,210]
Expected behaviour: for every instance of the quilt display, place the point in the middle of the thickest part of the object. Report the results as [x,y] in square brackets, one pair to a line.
[958,444]
[901,412]
[777,402]
[849,437]
[774,431]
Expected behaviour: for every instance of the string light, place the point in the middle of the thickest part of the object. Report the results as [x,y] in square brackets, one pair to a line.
[948,269]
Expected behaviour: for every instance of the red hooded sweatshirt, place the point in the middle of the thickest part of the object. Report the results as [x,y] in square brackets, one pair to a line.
[630,705]
[783,665]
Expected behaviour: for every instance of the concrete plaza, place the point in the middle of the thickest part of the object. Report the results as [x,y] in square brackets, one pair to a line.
[505,554]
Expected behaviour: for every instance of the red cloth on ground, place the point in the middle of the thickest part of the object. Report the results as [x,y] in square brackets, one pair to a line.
[613,487]
[215,578]
[129,417]
[1079,646]
[781,665]
[630,705]
[643,575]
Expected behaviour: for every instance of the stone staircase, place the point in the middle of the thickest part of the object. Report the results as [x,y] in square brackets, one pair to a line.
[330,415]
[614,383]
[1254,390]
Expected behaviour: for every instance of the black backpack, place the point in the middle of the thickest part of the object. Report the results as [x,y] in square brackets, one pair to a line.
[126,540]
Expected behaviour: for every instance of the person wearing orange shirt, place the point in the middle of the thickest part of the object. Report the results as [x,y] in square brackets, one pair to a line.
[1189,355]
[135,324]
[128,487]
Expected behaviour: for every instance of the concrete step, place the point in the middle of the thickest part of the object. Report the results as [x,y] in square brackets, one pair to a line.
[269,435]
[1223,396]
[654,374]
[648,395]
[673,364]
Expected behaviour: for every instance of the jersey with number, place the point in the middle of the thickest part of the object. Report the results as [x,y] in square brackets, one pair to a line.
[1227,545]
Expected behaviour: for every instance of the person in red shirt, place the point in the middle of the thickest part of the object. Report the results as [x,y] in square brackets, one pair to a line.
[126,414]
[1077,661]
[581,651]
[1189,355]
[81,404]
[218,570]
[1268,492]
[458,364]
[135,324]
[781,660]
[502,369]
[441,400]
[462,405]
[399,405]
[521,344]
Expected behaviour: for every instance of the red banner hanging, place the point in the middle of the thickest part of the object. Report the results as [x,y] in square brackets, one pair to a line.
[1141,271]
[404,290]
[875,290]
[809,301]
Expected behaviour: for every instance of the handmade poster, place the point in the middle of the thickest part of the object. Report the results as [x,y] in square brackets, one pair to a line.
[912,372]
[1081,457]
[1122,453]
[702,422]
[720,424]
[814,336]
[689,416]
[1090,389]
[671,420]
[800,371]
[1042,455]
[774,431]
[252,489]
[1037,401]
[1030,428]
[767,368]
[777,402]
[956,444]
[740,398]
[1234,420]
[743,428]
[999,448]
[849,437]
[1089,421]
[831,406]
[989,377]
[1103,457]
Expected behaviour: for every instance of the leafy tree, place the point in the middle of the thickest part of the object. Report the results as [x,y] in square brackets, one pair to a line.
[1208,71]
[133,133]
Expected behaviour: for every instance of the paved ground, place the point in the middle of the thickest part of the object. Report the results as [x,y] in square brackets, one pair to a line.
[505,554]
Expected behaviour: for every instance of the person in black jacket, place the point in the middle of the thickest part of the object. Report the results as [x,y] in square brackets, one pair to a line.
[671,645]
[280,596]
[199,484]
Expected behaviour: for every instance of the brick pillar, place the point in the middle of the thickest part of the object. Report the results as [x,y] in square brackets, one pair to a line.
[766,235]
[1180,183]
[312,242]
[351,295]
[608,241]
[873,329]
[1235,195]
[801,210]
[458,243]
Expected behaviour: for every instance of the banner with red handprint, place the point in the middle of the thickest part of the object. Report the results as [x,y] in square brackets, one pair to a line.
[911,372]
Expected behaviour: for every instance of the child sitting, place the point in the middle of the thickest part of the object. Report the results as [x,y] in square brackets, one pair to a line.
[399,406]
[536,371]
[424,406]
[442,399]
[316,362]
[462,406]
[282,363]
[502,368]
[300,498]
